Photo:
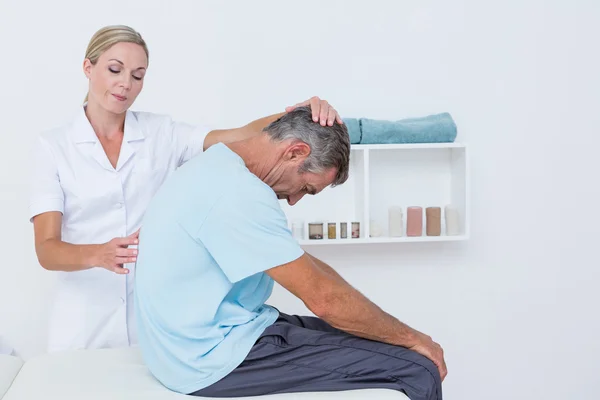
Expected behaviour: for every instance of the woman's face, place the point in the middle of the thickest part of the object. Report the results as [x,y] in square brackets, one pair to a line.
[118,77]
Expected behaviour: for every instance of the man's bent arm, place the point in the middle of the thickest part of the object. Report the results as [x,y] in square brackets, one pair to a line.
[335,301]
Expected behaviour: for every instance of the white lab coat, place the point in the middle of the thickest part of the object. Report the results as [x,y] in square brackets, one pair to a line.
[72,174]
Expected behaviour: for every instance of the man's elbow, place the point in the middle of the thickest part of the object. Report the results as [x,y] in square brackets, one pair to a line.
[322,304]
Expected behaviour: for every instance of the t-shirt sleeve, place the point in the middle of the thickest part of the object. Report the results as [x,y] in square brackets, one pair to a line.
[45,191]
[247,233]
[188,139]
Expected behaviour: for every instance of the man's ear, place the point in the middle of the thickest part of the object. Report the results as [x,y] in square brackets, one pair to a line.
[297,152]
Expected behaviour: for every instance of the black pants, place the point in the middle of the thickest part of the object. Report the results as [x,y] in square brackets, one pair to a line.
[305,354]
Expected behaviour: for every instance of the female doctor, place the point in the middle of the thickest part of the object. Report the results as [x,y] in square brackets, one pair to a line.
[92,181]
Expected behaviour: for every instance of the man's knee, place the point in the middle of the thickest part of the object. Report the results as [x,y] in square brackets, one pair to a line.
[420,373]
[426,364]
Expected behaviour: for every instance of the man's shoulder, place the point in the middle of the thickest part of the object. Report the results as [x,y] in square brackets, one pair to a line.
[251,190]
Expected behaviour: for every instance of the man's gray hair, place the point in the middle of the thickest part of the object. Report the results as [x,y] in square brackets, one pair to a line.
[329,145]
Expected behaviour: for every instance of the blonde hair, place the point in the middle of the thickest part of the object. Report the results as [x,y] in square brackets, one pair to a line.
[107,37]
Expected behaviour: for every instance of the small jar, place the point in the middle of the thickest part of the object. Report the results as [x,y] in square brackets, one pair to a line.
[343,230]
[395,221]
[414,221]
[315,230]
[452,220]
[375,229]
[433,223]
[331,228]
[355,230]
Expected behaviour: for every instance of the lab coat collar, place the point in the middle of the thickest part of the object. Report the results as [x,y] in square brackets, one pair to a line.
[84,133]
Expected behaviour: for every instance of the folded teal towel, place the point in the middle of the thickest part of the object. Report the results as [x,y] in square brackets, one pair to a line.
[437,128]
[353,125]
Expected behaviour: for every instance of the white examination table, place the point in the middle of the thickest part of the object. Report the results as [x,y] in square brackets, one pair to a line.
[115,374]
[9,369]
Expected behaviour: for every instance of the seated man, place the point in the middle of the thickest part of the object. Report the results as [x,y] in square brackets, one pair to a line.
[214,240]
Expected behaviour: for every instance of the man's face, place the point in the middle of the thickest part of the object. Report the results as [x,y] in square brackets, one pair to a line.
[293,185]
[288,182]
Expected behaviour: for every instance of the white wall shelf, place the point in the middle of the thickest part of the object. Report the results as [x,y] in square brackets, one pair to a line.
[386,175]
[404,239]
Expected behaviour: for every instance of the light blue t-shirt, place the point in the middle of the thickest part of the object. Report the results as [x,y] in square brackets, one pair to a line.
[206,238]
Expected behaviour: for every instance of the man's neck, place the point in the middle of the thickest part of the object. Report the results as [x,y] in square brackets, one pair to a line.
[259,153]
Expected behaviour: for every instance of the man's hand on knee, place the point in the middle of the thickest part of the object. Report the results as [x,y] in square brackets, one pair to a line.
[432,350]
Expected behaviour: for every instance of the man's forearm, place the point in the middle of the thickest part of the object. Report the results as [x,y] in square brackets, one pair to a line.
[252,129]
[349,310]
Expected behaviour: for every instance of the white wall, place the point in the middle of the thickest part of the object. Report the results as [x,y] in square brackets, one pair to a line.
[516,307]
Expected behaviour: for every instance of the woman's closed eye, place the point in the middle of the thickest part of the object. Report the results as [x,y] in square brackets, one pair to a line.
[118,71]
